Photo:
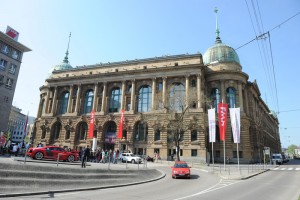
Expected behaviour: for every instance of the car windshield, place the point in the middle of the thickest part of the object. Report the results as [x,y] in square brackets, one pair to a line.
[181,166]
[276,157]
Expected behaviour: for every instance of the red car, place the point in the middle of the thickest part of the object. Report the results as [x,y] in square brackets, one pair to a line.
[181,170]
[51,152]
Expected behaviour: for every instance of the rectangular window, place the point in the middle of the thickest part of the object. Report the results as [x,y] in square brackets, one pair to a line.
[194,152]
[156,151]
[159,86]
[15,54]
[181,152]
[240,154]
[12,69]
[9,82]
[3,64]
[5,49]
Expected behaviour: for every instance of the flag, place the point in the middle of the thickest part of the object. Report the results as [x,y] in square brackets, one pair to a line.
[25,128]
[212,125]
[222,113]
[121,125]
[91,131]
[235,123]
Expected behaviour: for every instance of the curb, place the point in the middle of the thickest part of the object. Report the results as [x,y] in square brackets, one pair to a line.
[52,192]
[243,178]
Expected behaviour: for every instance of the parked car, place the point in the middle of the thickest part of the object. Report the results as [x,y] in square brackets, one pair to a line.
[277,158]
[130,157]
[181,170]
[52,152]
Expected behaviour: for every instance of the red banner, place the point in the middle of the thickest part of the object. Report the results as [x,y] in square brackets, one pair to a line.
[91,131]
[222,113]
[121,125]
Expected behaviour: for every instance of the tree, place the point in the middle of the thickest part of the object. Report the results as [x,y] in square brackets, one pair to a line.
[291,149]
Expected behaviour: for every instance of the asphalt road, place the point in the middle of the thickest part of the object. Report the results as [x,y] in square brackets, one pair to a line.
[282,183]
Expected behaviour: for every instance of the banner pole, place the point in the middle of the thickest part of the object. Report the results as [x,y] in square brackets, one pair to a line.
[224,155]
[212,152]
[238,155]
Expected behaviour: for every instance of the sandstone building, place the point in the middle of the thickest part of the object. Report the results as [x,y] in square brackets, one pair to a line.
[143,88]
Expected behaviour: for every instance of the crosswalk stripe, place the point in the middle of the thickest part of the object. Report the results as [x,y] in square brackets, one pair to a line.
[290,168]
[282,169]
[297,169]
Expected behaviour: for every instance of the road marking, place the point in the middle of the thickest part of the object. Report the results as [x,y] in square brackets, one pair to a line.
[297,169]
[222,184]
[290,168]
[275,168]
[282,169]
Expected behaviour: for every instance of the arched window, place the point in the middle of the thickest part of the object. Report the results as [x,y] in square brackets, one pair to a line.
[63,103]
[81,131]
[177,94]
[157,135]
[115,100]
[88,102]
[194,136]
[43,133]
[55,132]
[230,97]
[68,133]
[141,131]
[215,97]
[144,99]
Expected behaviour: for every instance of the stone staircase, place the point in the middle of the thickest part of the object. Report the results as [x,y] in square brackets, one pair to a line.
[32,177]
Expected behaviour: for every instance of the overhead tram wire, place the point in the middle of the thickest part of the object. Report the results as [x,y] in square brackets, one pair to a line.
[261,46]
[263,34]
[274,72]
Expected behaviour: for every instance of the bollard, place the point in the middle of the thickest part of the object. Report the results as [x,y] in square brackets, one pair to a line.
[58,159]
[138,165]
[25,158]
[126,163]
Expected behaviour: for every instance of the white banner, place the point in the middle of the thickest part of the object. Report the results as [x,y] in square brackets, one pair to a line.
[212,124]
[94,147]
[235,123]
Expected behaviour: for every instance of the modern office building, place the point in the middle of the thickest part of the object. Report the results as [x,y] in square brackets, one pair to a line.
[11,54]
[145,89]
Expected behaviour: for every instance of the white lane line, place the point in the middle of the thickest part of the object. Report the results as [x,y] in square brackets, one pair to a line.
[297,169]
[213,188]
[290,168]
[65,194]
[282,169]
[275,168]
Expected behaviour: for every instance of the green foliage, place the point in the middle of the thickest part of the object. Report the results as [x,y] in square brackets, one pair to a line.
[291,149]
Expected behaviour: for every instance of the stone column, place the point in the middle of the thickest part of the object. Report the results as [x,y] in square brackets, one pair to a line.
[123,95]
[153,93]
[47,101]
[78,99]
[53,110]
[187,88]
[164,91]
[40,111]
[70,99]
[95,97]
[223,93]
[132,95]
[199,90]
[103,97]
[241,97]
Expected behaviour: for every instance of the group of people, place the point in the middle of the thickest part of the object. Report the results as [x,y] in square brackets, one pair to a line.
[13,148]
[100,156]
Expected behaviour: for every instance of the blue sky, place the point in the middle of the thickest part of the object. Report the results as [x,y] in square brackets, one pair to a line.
[109,31]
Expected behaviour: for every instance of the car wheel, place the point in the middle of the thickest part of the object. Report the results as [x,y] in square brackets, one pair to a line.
[132,161]
[71,158]
[39,156]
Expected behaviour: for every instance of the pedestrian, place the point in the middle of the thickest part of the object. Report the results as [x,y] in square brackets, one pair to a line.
[85,156]
[103,157]
[16,149]
[115,157]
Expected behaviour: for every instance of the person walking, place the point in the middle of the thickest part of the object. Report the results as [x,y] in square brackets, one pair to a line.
[85,156]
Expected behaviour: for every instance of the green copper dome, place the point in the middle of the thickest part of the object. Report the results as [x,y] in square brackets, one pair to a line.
[220,53]
[63,65]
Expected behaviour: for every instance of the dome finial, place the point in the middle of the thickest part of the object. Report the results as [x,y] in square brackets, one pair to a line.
[67,52]
[218,39]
